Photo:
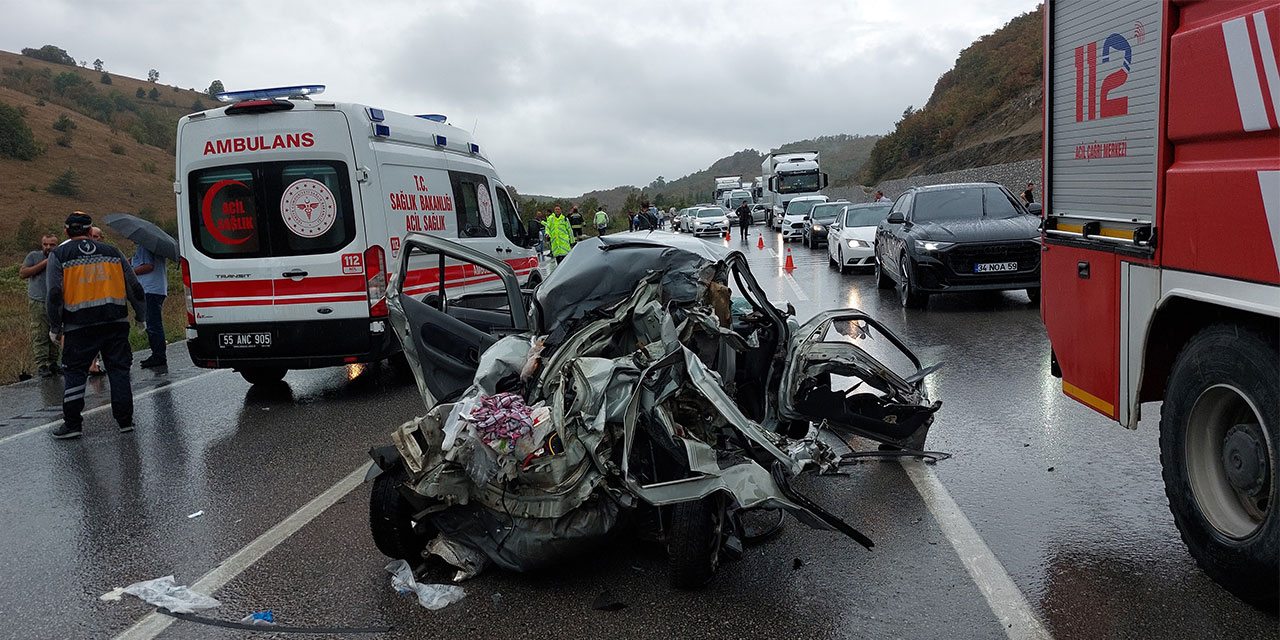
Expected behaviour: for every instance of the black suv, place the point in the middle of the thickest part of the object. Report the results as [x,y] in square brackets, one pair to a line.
[957,237]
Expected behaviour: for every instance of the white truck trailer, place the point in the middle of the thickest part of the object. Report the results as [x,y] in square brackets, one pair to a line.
[787,175]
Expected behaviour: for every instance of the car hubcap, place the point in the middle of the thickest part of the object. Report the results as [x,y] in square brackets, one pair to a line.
[1229,462]
[904,286]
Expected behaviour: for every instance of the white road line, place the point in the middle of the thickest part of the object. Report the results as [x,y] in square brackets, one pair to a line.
[772,254]
[795,286]
[154,623]
[50,425]
[1003,597]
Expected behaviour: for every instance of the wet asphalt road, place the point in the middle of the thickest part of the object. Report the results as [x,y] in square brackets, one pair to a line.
[1090,544]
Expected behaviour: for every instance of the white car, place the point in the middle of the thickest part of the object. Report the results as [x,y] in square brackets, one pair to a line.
[706,221]
[851,238]
[792,225]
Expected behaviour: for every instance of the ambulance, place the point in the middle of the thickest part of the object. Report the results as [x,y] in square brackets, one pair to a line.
[290,210]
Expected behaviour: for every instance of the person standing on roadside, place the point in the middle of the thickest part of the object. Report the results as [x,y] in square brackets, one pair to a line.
[1027,196]
[744,218]
[33,271]
[559,232]
[89,284]
[149,268]
[602,221]
[647,219]
[880,197]
[576,222]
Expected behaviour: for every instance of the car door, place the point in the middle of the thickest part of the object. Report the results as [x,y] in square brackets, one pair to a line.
[891,236]
[846,369]
[442,336]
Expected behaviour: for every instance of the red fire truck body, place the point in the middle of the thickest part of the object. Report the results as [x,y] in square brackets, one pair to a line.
[1160,279]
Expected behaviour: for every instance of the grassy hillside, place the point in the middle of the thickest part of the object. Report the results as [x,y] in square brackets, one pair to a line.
[986,110]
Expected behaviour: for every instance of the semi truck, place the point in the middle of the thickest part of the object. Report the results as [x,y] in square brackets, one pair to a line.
[786,175]
[1161,232]
[725,184]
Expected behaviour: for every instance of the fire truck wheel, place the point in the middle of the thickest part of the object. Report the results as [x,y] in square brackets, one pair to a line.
[391,519]
[263,375]
[1220,453]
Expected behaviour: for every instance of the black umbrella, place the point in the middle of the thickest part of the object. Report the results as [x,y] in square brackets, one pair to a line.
[144,233]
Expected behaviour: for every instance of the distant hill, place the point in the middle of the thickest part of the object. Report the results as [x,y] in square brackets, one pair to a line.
[986,110]
[117,146]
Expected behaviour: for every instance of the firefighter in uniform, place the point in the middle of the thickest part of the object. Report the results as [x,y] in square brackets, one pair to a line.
[91,286]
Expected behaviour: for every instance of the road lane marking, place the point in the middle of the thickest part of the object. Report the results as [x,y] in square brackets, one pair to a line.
[795,286]
[1008,604]
[154,623]
[50,425]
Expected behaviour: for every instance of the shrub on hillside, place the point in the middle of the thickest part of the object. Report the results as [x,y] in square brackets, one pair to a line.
[148,166]
[16,140]
[64,140]
[154,94]
[64,123]
[66,184]
[117,149]
[50,53]
[105,79]
[140,93]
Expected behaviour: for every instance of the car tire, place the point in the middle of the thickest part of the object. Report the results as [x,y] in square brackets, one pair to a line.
[694,539]
[883,281]
[391,519]
[1033,294]
[1223,393]
[840,265]
[263,375]
[831,260]
[908,295]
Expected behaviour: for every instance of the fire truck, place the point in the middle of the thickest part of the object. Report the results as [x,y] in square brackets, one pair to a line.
[1161,232]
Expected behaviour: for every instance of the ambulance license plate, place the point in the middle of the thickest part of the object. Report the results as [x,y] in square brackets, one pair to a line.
[244,340]
[993,267]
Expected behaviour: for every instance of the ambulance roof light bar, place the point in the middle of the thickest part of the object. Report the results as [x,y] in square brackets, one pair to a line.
[302,90]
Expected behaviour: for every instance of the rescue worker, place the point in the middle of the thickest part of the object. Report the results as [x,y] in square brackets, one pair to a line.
[89,283]
[602,221]
[576,222]
[744,218]
[559,233]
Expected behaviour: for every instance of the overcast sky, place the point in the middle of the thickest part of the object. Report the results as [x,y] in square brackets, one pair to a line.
[565,97]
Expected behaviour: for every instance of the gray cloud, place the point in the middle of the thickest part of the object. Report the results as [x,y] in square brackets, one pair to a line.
[565,96]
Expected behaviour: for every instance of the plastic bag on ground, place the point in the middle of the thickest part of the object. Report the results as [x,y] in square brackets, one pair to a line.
[431,596]
[165,594]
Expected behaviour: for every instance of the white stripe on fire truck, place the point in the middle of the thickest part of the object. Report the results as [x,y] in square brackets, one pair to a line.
[1269,182]
[1244,75]
[1268,60]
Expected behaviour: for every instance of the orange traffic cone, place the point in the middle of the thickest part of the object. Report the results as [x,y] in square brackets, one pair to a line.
[760,243]
[789,265]
[728,233]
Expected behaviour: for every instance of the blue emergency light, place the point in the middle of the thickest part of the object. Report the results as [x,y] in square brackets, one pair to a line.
[434,117]
[441,140]
[271,93]
[381,130]
[475,148]
[376,115]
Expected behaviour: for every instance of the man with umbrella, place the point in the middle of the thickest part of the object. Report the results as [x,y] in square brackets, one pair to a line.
[89,283]
[154,245]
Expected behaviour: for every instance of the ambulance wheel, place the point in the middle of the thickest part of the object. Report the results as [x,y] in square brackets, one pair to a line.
[263,375]
[1220,454]
[694,539]
[391,519]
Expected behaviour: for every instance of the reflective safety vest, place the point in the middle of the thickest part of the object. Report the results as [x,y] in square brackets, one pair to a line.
[602,218]
[560,234]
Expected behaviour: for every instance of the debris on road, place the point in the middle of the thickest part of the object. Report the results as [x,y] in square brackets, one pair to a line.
[195,515]
[431,596]
[259,618]
[164,593]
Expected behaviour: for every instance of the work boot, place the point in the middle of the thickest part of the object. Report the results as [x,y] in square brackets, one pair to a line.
[153,362]
[126,428]
[45,371]
[65,431]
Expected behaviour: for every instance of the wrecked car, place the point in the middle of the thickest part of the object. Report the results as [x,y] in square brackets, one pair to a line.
[647,386]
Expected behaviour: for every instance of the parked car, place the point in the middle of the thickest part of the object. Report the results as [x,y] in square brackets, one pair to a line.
[792,224]
[593,416]
[852,236]
[816,223]
[760,213]
[957,237]
[706,221]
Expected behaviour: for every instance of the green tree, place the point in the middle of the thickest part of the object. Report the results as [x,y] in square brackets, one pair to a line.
[215,88]
[141,93]
[50,53]
[66,184]
[105,79]
[154,94]
[153,76]
[16,140]
[97,65]
[64,123]
[197,105]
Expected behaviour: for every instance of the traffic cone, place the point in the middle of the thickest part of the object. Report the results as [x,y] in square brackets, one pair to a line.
[728,233]
[789,265]
[760,243]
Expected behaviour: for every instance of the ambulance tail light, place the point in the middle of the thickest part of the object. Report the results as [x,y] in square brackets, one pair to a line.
[375,269]
[186,288]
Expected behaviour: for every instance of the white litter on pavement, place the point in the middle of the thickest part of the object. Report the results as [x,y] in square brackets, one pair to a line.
[196,514]
[431,596]
[166,594]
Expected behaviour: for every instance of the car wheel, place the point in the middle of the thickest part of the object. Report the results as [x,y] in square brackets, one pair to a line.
[831,260]
[882,279]
[1033,294]
[1220,454]
[694,539]
[391,519]
[263,375]
[840,261]
[910,297]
